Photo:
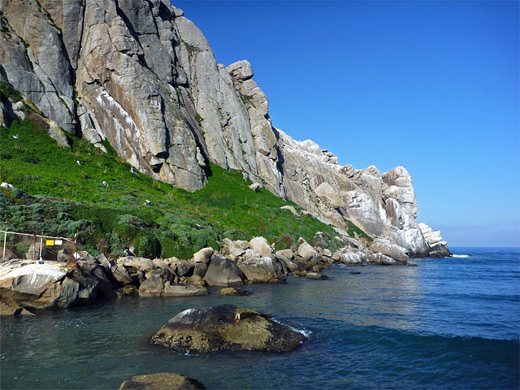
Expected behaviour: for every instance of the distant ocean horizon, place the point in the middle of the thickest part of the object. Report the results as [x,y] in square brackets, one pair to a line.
[447,323]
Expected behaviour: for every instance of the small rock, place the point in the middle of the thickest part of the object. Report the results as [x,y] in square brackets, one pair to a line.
[232,291]
[7,186]
[316,276]
[255,187]
[183,290]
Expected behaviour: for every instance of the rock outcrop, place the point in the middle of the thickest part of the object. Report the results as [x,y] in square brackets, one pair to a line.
[226,327]
[34,285]
[141,76]
[161,381]
[438,247]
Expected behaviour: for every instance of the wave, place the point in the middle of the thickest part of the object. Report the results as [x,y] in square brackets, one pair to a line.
[304,332]
[462,256]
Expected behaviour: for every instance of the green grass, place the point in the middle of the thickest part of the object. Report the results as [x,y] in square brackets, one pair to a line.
[57,196]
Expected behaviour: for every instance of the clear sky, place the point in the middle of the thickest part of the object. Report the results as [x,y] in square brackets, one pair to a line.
[432,86]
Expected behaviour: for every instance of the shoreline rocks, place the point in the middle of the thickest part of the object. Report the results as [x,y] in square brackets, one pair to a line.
[226,328]
[29,285]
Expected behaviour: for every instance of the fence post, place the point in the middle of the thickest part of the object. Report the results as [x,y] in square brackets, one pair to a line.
[41,247]
[5,241]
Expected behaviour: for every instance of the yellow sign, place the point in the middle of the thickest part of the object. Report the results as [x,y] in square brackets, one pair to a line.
[49,242]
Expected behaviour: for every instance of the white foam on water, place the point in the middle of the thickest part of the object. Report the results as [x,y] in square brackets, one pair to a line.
[304,332]
[462,256]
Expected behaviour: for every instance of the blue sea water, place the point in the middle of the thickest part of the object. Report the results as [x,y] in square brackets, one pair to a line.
[447,323]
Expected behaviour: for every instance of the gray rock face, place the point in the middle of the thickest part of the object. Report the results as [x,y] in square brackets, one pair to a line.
[143,77]
[263,270]
[223,272]
[438,247]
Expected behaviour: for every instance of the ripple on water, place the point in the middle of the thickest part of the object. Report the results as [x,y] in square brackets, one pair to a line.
[388,327]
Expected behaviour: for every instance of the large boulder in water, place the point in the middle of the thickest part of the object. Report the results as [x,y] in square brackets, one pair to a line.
[216,329]
[161,381]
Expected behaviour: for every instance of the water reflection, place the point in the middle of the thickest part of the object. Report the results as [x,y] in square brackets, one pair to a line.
[366,328]
[378,296]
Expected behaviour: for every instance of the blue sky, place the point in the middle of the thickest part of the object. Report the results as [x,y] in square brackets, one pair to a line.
[432,86]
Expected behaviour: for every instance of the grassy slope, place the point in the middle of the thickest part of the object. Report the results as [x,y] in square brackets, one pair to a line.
[67,198]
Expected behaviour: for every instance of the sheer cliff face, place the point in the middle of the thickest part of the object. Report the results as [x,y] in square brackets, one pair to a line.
[140,75]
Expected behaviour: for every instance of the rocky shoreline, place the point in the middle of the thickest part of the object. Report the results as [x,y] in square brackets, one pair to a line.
[27,286]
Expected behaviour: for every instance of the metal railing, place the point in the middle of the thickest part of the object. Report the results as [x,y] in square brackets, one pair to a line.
[50,241]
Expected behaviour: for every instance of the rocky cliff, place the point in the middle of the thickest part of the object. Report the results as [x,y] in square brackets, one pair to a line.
[138,74]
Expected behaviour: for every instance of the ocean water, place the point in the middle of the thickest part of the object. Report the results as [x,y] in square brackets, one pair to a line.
[447,323]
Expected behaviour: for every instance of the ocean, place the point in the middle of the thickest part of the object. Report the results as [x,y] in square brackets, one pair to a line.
[447,323]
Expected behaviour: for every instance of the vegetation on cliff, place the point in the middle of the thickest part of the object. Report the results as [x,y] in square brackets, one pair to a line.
[60,191]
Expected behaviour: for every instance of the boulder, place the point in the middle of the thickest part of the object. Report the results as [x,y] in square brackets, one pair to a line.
[389,249]
[47,285]
[152,287]
[315,275]
[104,262]
[315,261]
[28,280]
[223,272]
[180,267]
[306,251]
[161,381]
[200,269]
[196,280]
[233,291]
[249,254]
[285,252]
[380,259]
[289,264]
[234,249]
[261,245]
[218,329]
[203,256]
[350,256]
[255,187]
[136,264]
[182,290]
[241,70]
[121,274]
[263,270]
